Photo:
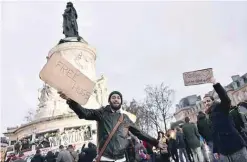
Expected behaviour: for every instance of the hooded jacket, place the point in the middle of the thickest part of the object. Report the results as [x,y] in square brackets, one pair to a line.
[107,119]
[50,157]
[38,158]
[204,127]
[226,138]
[89,153]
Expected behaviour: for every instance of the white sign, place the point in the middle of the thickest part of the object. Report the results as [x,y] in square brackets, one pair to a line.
[198,77]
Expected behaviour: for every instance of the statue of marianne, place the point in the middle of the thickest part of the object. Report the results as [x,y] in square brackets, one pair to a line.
[70,27]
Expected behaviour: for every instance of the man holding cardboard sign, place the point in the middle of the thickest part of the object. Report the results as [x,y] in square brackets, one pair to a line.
[228,145]
[113,127]
[62,75]
[197,77]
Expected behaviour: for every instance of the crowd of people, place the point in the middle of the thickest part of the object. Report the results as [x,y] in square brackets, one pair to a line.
[219,135]
[137,151]
[221,129]
[68,154]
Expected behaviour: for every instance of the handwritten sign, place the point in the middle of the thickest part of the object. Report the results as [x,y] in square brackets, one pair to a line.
[64,77]
[197,77]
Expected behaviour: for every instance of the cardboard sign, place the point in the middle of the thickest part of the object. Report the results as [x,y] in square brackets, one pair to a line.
[198,77]
[63,76]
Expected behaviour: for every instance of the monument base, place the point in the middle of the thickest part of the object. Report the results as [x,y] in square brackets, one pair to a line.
[73,39]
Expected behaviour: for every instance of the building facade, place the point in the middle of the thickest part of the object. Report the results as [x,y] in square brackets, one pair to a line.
[191,105]
[4,144]
[187,106]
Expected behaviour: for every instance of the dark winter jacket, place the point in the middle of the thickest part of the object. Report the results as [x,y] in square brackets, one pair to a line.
[191,135]
[37,158]
[50,157]
[107,119]
[90,154]
[172,145]
[238,114]
[180,140]
[226,138]
[204,127]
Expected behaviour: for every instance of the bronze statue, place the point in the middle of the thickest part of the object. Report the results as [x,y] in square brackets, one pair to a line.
[70,27]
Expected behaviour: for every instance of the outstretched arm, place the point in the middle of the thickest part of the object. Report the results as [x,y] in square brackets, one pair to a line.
[225,100]
[140,134]
[83,113]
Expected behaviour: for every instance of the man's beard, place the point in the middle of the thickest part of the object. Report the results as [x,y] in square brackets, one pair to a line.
[115,107]
[208,110]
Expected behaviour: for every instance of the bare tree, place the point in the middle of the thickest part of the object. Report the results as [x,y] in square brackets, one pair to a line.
[159,99]
[152,117]
[143,120]
[134,108]
[147,123]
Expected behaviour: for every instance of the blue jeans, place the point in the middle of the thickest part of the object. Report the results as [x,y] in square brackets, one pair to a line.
[152,158]
[197,154]
[182,151]
[239,156]
[211,147]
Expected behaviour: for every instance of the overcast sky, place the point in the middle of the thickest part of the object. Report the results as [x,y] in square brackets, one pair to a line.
[137,44]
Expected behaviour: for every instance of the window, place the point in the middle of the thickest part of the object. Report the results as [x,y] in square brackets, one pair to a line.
[245,79]
[238,84]
[12,142]
[4,140]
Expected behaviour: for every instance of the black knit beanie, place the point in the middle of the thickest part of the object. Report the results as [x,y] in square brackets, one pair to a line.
[115,92]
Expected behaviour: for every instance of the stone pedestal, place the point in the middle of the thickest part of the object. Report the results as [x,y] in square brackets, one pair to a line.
[82,56]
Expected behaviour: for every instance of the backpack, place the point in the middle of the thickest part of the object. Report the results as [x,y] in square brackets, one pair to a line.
[243,115]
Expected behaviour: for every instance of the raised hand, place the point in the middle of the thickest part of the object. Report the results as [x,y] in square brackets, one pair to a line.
[212,80]
[63,96]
